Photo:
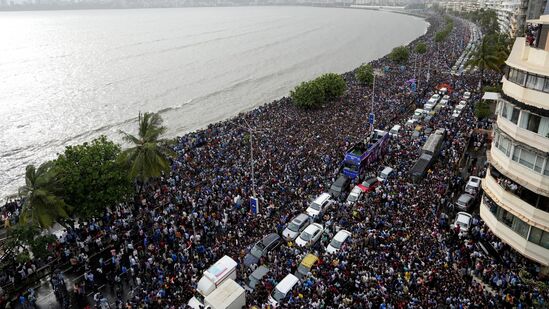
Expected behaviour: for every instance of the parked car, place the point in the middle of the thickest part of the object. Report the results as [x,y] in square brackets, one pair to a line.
[465,201]
[296,226]
[418,114]
[255,277]
[320,204]
[473,185]
[463,221]
[269,242]
[370,184]
[435,97]
[310,235]
[337,241]
[395,130]
[466,95]
[385,173]
[340,187]
[282,289]
[306,265]
[411,122]
[355,195]
[444,101]
[457,111]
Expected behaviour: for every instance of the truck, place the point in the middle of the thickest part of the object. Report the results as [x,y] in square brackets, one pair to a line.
[229,295]
[362,154]
[429,153]
[213,277]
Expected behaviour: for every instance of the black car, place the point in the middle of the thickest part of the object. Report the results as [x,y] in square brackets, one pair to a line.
[269,242]
[340,187]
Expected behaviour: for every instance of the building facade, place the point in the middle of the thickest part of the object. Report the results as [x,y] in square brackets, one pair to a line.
[515,204]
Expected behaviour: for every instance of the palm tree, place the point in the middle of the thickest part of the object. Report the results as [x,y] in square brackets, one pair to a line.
[43,204]
[148,157]
[485,57]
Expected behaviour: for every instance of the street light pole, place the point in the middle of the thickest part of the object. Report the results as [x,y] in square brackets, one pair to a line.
[252,160]
[372,104]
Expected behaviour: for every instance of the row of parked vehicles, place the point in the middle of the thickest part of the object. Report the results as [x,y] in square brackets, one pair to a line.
[461,63]
[465,203]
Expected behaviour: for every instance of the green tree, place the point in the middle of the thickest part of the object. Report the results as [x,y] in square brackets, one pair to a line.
[148,157]
[485,57]
[24,237]
[488,21]
[43,202]
[482,109]
[365,74]
[399,55]
[421,48]
[333,85]
[92,177]
[308,95]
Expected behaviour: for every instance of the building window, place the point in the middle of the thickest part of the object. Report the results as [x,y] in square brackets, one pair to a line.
[544,127]
[505,217]
[527,158]
[539,237]
[533,123]
[538,164]
[504,109]
[504,145]
[520,227]
[535,82]
[517,76]
[546,86]
[515,115]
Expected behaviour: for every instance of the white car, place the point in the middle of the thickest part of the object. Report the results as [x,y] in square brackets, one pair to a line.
[337,241]
[411,122]
[456,113]
[462,103]
[435,97]
[355,195]
[418,114]
[310,235]
[444,101]
[466,95]
[463,220]
[472,185]
[319,204]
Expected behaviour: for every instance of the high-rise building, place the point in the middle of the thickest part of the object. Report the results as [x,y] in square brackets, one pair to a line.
[515,205]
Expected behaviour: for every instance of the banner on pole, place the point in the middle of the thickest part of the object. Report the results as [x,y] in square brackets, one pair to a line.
[254,205]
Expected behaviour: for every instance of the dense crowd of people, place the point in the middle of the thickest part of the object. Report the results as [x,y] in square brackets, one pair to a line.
[404,251]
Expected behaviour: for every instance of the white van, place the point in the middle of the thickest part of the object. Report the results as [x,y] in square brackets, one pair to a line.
[282,289]
[385,173]
[395,130]
[213,277]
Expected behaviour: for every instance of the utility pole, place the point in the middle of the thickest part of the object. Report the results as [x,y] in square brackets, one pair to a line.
[252,163]
[372,115]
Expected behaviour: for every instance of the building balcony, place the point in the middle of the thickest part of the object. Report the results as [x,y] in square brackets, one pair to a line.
[535,182]
[527,96]
[512,203]
[523,135]
[506,234]
[528,58]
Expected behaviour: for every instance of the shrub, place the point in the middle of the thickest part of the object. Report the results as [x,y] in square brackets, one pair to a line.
[399,54]
[421,48]
[308,94]
[365,74]
[333,85]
